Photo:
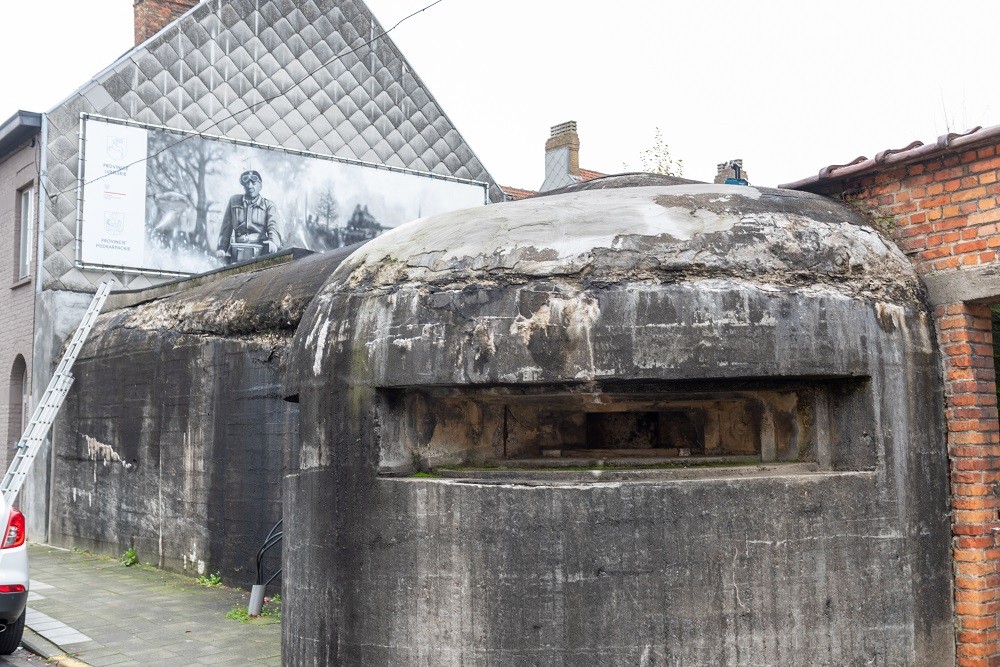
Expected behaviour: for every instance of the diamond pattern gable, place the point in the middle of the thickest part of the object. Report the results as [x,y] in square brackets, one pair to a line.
[305,138]
[268,64]
[225,56]
[384,151]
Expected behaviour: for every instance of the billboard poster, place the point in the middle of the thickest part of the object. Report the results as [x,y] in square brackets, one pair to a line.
[166,201]
[116,203]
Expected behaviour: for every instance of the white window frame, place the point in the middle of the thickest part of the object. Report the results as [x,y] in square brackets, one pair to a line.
[26,219]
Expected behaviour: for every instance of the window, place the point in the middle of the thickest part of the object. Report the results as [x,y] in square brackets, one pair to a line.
[25,217]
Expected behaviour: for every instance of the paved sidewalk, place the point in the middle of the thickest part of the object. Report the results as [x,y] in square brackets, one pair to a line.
[100,612]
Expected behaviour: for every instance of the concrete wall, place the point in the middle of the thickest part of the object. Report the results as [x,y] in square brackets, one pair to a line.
[179,457]
[57,316]
[839,557]
[172,439]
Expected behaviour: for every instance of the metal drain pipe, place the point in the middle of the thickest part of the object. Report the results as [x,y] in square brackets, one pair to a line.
[257,591]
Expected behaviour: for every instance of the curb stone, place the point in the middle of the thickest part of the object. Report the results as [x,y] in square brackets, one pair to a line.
[43,648]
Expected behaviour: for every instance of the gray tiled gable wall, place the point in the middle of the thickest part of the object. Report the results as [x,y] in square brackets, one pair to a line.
[225,53]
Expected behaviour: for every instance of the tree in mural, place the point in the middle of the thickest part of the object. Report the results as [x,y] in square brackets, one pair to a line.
[326,207]
[327,234]
[176,174]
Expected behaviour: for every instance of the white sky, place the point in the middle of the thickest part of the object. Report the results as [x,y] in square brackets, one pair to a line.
[789,86]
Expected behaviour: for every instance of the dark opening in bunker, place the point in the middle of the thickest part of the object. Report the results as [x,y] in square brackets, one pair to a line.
[666,432]
[780,421]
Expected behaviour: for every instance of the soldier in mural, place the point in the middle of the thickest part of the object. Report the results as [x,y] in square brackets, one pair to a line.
[250,224]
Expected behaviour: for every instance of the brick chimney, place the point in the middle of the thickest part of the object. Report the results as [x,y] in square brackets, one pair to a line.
[731,169]
[152,16]
[562,156]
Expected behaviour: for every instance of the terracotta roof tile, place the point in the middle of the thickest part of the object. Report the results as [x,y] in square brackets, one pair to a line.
[513,194]
[891,157]
[589,174]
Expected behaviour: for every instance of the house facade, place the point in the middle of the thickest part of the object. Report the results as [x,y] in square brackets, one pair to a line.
[19,153]
[316,78]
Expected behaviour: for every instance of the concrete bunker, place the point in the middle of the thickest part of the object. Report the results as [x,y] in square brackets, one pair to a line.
[685,424]
[172,440]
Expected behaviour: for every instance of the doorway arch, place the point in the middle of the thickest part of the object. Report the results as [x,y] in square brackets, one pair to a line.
[17,414]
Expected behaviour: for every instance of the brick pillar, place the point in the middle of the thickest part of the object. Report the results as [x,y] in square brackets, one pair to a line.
[152,16]
[966,340]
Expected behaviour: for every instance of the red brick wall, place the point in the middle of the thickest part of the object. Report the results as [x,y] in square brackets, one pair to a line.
[151,16]
[943,213]
[945,210]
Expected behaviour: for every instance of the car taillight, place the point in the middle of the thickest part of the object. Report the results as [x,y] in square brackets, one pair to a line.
[14,535]
[12,588]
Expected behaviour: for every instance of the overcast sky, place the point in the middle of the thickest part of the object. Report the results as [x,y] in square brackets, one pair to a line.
[789,86]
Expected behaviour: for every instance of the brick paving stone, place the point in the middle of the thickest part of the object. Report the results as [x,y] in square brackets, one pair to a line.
[112,659]
[103,652]
[143,616]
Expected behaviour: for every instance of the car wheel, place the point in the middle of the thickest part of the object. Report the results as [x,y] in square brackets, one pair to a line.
[10,638]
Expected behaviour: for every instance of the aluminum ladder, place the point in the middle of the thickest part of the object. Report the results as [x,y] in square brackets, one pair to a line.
[45,412]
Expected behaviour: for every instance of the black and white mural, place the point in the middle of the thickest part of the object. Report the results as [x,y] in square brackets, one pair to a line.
[159,200]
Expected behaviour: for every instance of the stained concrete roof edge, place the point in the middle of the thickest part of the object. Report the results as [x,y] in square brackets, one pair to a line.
[129,298]
[912,152]
[17,128]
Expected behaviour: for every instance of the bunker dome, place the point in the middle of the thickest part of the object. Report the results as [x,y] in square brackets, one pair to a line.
[678,425]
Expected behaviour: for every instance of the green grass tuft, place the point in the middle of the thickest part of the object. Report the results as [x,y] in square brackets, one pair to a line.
[210,580]
[128,559]
[270,610]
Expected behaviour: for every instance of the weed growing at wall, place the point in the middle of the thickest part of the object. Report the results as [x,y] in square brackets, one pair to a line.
[210,580]
[271,611]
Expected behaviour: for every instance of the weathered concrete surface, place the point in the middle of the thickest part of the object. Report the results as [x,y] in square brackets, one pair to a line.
[679,291]
[172,437]
[674,234]
[970,284]
[57,316]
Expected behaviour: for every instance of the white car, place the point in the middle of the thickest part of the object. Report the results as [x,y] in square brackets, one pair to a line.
[13,579]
